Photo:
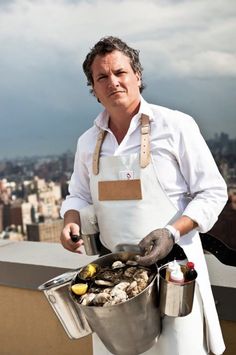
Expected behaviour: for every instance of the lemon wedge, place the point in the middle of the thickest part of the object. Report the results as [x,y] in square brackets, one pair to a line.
[79,289]
[88,271]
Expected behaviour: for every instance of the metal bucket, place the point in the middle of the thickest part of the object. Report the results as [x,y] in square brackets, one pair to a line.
[70,316]
[176,300]
[128,328]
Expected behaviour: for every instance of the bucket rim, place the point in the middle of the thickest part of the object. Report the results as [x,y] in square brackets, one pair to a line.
[58,280]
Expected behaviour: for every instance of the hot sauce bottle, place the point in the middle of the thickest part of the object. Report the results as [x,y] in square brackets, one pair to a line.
[190,273]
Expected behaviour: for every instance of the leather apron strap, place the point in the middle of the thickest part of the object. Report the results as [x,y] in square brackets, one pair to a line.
[145,145]
[145,141]
[96,154]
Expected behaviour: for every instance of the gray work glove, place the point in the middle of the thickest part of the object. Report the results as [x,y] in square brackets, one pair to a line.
[155,246]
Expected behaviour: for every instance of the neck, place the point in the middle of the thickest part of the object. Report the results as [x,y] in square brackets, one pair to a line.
[119,122]
[119,129]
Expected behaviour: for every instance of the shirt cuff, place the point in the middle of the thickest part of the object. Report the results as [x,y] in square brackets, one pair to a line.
[204,217]
[72,203]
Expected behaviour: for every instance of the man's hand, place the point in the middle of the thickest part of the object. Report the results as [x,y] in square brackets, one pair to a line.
[69,230]
[155,246]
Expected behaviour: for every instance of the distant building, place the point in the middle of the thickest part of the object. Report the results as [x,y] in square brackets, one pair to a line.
[1,218]
[45,232]
[26,208]
[49,198]
[17,213]
[5,191]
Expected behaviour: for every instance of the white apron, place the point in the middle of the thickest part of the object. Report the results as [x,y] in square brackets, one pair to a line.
[128,221]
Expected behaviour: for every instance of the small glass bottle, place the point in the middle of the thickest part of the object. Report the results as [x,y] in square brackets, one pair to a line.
[191,273]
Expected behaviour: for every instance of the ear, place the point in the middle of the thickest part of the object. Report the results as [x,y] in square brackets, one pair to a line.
[138,76]
[93,92]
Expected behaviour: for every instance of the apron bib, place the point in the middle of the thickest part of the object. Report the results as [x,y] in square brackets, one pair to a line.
[138,204]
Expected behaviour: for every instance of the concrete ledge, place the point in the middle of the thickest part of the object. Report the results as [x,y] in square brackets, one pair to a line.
[29,264]
[220,275]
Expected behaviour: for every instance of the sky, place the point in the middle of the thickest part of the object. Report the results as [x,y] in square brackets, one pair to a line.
[187,49]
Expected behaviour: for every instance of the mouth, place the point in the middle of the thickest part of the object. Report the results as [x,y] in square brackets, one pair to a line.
[116,92]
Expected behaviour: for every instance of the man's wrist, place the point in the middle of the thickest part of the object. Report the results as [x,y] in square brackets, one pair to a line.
[175,234]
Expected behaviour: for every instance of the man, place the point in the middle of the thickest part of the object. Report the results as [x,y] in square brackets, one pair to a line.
[165,186]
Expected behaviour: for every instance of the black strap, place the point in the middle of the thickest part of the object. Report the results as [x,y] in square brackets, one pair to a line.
[219,249]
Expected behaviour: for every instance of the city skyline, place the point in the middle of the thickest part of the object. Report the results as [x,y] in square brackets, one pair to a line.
[187,49]
[216,138]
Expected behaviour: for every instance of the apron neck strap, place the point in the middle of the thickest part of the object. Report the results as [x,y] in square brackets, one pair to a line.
[145,145]
[96,154]
[145,141]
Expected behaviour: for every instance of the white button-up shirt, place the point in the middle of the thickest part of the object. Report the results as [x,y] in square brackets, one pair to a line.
[182,160]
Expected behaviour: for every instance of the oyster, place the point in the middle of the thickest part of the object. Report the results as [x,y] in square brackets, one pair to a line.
[104,283]
[131,262]
[121,286]
[133,289]
[101,298]
[117,265]
[87,299]
[108,274]
[118,295]
[141,274]
[129,273]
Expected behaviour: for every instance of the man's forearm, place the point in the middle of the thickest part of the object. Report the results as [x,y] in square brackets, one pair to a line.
[184,225]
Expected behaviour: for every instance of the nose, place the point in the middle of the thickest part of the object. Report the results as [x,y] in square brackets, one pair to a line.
[113,81]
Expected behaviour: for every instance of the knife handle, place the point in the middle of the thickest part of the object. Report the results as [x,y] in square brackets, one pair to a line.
[75,237]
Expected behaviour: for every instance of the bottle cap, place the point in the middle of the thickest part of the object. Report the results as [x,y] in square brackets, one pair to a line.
[173,265]
[190,265]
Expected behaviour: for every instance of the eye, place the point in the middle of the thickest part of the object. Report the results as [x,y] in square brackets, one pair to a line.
[101,77]
[121,72]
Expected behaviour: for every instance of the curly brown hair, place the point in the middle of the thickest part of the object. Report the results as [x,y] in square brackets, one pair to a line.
[107,45]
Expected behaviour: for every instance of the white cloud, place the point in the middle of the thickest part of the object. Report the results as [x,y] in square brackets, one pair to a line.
[208,64]
[182,38]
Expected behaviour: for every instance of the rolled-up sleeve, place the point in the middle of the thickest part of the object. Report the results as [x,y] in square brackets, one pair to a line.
[206,185]
[79,192]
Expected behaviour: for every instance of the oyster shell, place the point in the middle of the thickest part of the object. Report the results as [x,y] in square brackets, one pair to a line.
[117,265]
[129,273]
[87,299]
[104,283]
[101,298]
[141,274]
[131,263]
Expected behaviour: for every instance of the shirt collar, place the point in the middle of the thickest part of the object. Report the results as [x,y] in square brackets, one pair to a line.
[102,119]
[145,109]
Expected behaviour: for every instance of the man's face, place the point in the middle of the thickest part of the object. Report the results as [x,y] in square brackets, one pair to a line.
[115,83]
